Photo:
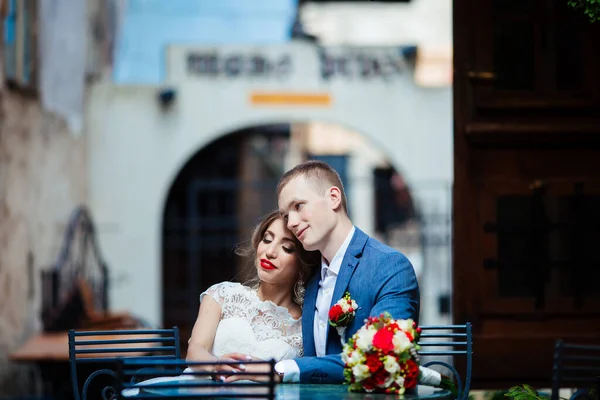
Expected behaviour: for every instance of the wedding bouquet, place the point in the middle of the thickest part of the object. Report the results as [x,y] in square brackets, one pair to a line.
[382,356]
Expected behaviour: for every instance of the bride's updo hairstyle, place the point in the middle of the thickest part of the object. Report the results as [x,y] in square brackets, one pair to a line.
[308,260]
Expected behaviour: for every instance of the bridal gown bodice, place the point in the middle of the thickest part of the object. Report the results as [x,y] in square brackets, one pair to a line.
[250,326]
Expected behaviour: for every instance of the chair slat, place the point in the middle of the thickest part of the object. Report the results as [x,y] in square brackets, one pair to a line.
[442,327]
[124,332]
[123,341]
[125,350]
[581,358]
[585,368]
[457,339]
[442,335]
[442,353]
[442,344]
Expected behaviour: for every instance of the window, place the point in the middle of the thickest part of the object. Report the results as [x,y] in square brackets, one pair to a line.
[20,42]
[354,1]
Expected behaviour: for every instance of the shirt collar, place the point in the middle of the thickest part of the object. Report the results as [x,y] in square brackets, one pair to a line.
[336,262]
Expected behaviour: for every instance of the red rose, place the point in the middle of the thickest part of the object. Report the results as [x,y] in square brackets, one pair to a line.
[380,377]
[335,313]
[383,340]
[368,384]
[411,374]
[373,362]
[412,368]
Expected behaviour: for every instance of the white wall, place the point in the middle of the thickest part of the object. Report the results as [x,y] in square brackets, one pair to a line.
[136,149]
[419,22]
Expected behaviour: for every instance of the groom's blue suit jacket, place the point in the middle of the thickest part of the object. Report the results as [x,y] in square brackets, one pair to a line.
[379,279]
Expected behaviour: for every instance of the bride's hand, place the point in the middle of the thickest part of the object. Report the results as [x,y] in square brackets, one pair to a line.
[262,370]
[221,371]
[224,370]
[240,357]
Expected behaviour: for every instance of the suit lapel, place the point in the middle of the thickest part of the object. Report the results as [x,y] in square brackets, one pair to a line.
[308,314]
[349,263]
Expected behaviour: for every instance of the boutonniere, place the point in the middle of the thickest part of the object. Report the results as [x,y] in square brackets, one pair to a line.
[342,314]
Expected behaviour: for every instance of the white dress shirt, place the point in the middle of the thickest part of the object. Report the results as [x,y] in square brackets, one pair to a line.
[329,274]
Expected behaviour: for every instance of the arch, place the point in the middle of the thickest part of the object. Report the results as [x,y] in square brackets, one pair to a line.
[228,129]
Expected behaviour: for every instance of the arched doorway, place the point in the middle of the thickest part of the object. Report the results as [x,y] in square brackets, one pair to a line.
[211,207]
[222,191]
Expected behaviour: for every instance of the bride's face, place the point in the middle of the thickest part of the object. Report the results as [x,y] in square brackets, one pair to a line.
[276,255]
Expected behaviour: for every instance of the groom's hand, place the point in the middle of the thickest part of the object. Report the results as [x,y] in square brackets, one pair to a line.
[262,370]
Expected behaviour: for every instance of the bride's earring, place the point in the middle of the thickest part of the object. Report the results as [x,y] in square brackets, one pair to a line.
[299,291]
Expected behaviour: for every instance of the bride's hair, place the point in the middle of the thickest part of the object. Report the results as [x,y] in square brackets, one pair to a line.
[308,260]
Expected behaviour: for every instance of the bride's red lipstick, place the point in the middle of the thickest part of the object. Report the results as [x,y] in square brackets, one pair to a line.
[266,264]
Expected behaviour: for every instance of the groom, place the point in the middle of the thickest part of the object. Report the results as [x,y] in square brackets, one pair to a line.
[312,200]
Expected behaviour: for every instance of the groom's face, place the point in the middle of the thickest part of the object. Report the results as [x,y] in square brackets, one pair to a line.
[307,212]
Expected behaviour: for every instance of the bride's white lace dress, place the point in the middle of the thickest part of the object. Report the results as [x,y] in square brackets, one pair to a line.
[250,326]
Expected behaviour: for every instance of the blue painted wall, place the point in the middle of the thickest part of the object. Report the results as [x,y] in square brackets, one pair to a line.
[150,25]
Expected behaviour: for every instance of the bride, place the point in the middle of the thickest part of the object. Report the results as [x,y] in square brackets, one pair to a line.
[261,318]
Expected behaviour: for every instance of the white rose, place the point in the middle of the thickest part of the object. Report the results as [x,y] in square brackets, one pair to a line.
[400,382]
[354,305]
[345,306]
[405,324]
[401,342]
[391,365]
[389,380]
[357,357]
[360,372]
[345,357]
[365,338]
[353,357]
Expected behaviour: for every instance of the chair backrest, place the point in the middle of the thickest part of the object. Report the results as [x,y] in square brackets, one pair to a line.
[100,350]
[448,341]
[174,379]
[575,365]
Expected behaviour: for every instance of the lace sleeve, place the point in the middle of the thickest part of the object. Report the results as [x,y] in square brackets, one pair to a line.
[296,346]
[294,339]
[217,292]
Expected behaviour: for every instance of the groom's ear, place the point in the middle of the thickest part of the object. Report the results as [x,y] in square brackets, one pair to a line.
[335,197]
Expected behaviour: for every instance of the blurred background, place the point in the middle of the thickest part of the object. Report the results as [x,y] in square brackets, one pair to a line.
[141,140]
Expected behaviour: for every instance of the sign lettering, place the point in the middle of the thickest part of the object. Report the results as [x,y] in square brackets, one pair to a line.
[343,63]
[234,65]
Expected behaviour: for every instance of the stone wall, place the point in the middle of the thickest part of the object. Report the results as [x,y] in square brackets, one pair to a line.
[43,175]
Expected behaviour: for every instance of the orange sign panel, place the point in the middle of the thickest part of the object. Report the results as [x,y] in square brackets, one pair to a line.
[290,99]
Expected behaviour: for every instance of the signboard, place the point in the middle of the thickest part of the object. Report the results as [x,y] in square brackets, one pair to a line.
[344,62]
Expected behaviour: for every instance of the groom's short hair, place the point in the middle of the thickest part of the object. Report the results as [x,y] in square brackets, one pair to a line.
[320,173]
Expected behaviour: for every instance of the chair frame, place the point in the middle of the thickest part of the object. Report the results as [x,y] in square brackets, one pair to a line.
[107,350]
[562,372]
[460,337]
[129,369]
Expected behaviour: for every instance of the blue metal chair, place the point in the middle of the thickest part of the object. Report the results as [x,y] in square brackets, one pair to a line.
[100,350]
[448,341]
[174,379]
[575,365]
